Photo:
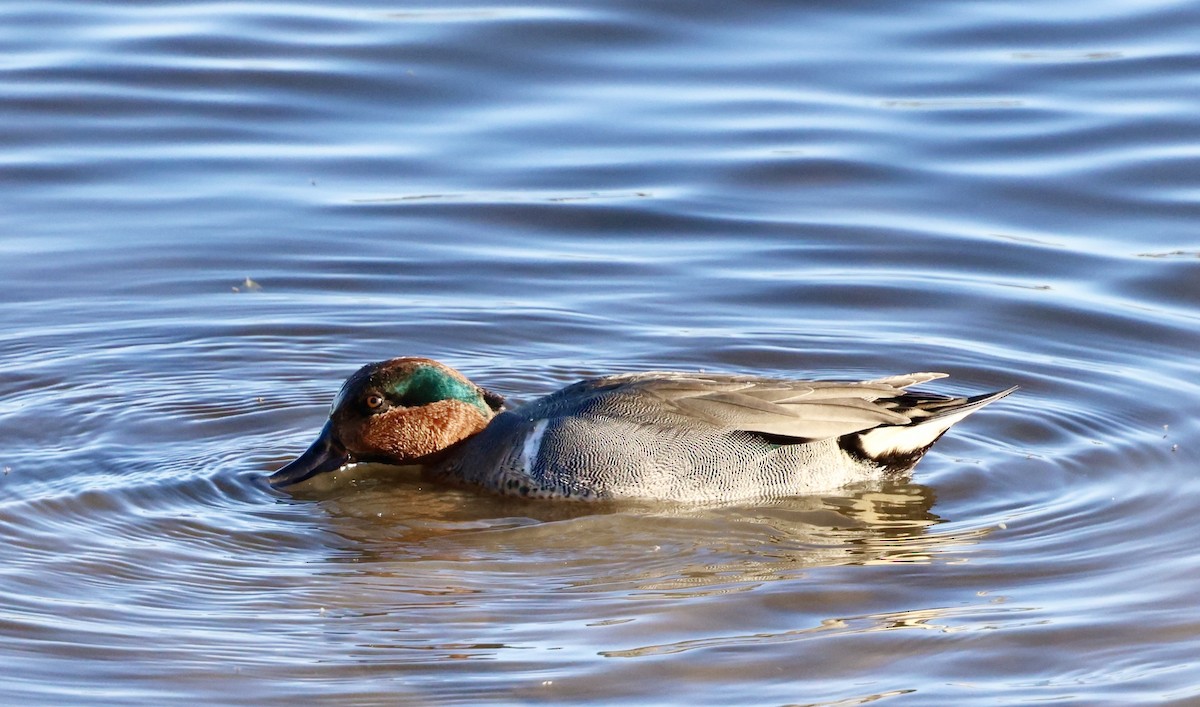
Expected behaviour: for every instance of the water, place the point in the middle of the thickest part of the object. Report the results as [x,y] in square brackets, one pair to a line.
[212,213]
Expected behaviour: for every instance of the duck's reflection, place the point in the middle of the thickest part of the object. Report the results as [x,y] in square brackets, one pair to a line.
[397,517]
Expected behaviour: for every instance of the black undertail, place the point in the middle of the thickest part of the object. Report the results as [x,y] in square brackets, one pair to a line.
[851,444]
[893,462]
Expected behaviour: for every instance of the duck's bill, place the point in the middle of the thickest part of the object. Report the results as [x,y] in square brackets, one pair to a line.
[325,454]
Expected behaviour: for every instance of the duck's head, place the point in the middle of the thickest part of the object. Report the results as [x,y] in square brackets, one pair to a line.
[402,411]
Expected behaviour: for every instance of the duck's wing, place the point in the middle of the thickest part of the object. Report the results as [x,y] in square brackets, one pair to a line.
[804,410]
[786,409]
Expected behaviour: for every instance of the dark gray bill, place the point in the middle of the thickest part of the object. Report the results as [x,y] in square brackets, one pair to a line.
[325,454]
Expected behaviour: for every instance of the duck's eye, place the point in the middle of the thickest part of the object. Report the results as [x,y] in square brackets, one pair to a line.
[374,401]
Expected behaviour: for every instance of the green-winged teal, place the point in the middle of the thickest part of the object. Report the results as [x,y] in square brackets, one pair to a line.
[663,435]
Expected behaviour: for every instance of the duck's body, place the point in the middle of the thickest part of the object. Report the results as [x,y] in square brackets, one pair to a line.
[670,436]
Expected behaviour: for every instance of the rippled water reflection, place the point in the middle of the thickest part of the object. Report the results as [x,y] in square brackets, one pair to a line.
[213,213]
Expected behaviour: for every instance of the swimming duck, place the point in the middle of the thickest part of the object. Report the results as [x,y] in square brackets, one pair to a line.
[663,435]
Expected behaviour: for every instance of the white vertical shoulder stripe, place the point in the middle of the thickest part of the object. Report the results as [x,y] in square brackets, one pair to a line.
[533,443]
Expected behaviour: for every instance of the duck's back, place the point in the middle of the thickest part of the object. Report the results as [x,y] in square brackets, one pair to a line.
[693,437]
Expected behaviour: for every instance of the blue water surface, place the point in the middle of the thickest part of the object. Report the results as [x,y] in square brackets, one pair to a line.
[212,213]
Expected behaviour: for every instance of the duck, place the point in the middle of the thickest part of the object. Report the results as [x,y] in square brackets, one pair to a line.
[663,435]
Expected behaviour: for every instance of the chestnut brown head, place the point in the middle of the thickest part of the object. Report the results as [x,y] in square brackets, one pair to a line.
[401,411]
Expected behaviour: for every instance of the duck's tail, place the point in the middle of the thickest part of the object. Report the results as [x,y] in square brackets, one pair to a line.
[899,447]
